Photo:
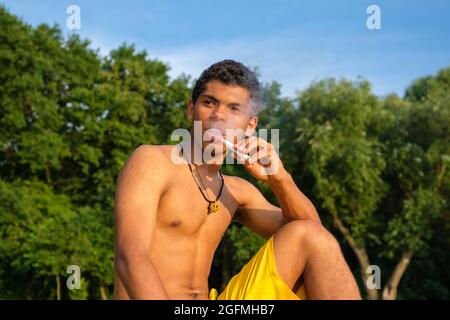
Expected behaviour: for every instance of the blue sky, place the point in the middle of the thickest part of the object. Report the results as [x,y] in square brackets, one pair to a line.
[291,42]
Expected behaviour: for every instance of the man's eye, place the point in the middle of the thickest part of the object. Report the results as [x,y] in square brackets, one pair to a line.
[207,102]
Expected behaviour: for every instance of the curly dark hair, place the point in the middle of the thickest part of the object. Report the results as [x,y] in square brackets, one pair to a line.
[232,72]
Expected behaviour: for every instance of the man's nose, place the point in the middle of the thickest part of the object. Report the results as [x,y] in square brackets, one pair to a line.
[219,112]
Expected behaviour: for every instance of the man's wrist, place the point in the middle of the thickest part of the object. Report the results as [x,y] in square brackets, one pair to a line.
[281,176]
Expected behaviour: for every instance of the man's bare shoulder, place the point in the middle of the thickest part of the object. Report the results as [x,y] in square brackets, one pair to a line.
[145,169]
[147,161]
[149,153]
[239,187]
[235,181]
[154,153]
[166,150]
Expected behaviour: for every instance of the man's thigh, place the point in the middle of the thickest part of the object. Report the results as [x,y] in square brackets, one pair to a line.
[291,251]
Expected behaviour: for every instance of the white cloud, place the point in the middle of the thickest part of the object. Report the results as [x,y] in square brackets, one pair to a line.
[292,60]
[279,59]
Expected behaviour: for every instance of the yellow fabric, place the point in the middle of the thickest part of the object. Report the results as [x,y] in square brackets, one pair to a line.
[259,280]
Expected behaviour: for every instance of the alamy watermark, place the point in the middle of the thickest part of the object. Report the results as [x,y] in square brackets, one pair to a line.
[373,22]
[74,280]
[73,21]
[214,151]
[374,280]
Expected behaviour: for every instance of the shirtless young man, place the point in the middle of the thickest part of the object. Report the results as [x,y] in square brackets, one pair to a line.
[165,234]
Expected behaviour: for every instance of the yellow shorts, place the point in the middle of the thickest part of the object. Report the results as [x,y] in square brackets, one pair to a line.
[259,280]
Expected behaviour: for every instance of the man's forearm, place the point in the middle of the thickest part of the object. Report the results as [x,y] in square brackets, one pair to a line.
[294,204]
[141,279]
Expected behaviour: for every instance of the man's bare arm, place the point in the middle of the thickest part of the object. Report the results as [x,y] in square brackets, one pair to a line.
[265,165]
[255,212]
[264,218]
[139,187]
[294,204]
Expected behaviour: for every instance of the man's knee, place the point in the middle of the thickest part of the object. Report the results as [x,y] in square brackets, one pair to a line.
[310,233]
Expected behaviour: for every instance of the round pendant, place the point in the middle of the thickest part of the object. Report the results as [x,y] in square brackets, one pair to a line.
[213,207]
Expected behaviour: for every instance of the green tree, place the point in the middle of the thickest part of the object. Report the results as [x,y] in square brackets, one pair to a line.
[68,120]
[378,168]
[345,163]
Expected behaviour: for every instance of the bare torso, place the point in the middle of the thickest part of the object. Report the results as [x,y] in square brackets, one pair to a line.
[186,237]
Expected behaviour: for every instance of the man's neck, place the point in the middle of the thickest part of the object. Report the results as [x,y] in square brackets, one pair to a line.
[206,169]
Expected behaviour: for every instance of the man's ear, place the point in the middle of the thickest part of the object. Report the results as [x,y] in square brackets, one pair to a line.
[251,127]
[190,111]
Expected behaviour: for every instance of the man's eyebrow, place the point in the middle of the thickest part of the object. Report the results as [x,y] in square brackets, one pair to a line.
[236,104]
[209,97]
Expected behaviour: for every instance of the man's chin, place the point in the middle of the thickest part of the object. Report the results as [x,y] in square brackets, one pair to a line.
[213,145]
[210,156]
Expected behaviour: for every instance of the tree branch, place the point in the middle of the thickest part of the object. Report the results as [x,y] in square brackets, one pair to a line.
[390,290]
[361,254]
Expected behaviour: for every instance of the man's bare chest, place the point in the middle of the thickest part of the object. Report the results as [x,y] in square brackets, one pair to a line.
[184,210]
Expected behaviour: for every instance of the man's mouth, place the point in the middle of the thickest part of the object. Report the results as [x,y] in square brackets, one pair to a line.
[214,134]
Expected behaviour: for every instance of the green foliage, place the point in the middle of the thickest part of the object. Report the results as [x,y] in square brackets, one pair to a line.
[68,121]
[412,227]
[343,158]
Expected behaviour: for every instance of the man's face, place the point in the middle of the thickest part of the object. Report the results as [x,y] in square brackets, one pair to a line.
[223,107]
